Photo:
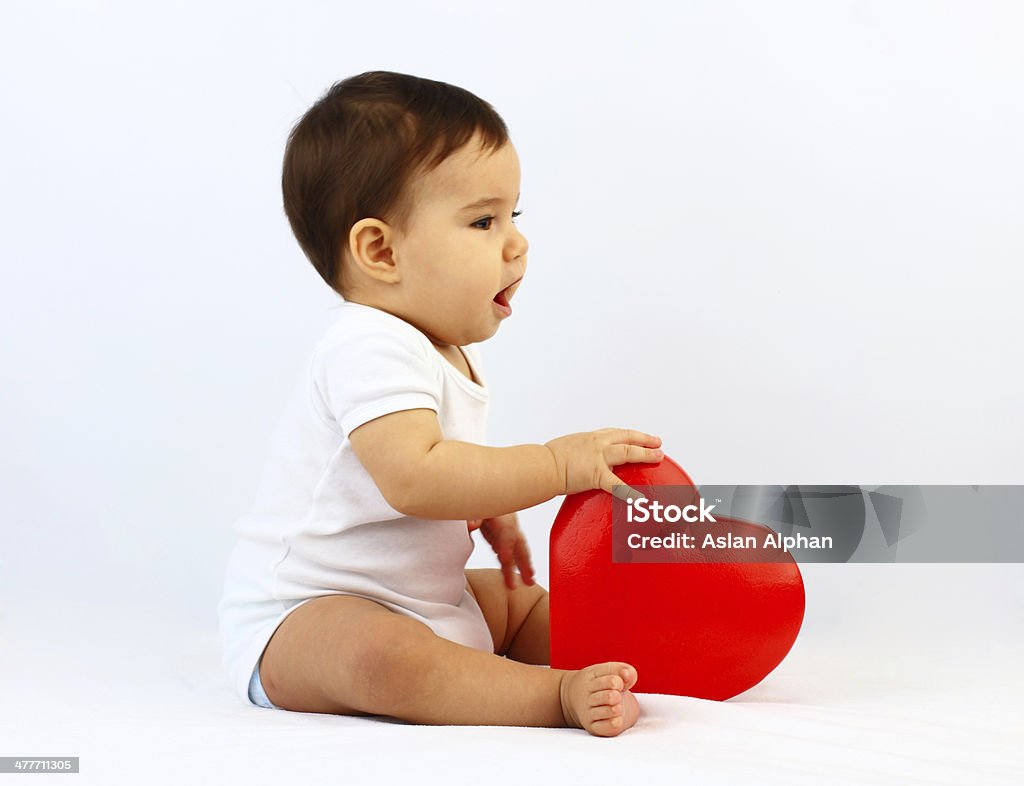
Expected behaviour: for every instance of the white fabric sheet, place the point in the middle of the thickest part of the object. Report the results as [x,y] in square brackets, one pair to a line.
[913,691]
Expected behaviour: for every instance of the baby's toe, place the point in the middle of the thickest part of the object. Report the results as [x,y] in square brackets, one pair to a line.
[616,667]
[602,697]
[625,673]
[605,711]
[607,728]
[607,682]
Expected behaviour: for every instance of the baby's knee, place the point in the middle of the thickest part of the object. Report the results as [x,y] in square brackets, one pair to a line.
[522,602]
[389,643]
[534,593]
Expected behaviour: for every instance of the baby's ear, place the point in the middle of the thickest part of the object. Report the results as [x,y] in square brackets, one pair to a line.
[370,249]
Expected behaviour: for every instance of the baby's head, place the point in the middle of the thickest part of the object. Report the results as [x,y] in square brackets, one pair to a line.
[385,180]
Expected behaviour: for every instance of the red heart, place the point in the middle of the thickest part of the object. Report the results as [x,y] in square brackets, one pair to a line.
[705,629]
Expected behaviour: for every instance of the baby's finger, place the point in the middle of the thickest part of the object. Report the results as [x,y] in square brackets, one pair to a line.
[611,483]
[507,567]
[631,436]
[524,563]
[632,454]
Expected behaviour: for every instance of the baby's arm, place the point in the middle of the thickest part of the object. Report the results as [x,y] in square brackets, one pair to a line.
[422,474]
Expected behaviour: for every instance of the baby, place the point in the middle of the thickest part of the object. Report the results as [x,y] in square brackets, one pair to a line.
[347,591]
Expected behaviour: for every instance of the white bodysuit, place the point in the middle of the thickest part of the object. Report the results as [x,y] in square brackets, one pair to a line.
[320,525]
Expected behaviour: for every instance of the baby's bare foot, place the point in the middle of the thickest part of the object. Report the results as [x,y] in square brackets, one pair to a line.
[598,699]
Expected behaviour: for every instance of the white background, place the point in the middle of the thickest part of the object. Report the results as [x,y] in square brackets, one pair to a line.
[786,237]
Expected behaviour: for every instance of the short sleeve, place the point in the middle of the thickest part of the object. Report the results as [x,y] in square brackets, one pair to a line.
[366,370]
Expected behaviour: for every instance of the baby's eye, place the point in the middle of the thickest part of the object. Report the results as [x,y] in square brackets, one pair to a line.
[515,215]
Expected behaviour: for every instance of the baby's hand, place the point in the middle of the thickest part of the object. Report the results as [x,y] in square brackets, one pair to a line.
[585,460]
[509,543]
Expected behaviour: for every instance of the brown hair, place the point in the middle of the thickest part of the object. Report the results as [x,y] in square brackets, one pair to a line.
[352,154]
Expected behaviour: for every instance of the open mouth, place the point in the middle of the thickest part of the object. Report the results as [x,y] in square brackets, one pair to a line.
[502,297]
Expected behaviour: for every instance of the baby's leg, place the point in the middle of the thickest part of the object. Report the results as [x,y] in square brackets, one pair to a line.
[347,655]
[519,619]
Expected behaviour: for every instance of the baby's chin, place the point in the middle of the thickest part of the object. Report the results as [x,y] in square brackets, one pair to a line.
[486,334]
